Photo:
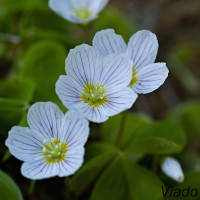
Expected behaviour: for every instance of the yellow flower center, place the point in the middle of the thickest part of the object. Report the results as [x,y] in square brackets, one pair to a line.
[83,13]
[94,96]
[54,151]
[134,78]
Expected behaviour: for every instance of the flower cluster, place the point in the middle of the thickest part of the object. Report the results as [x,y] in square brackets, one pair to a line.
[102,80]
[142,49]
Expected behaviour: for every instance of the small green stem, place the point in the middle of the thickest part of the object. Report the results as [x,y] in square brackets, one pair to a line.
[83,29]
[68,188]
[121,129]
[32,187]
[6,156]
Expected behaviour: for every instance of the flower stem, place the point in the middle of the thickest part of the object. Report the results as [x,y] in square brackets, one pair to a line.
[6,156]
[155,163]
[84,34]
[121,128]
[32,187]
[83,29]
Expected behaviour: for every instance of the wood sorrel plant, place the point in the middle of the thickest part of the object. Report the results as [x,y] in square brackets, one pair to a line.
[99,84]
[101,81]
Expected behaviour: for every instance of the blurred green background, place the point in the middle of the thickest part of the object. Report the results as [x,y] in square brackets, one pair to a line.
[34,43]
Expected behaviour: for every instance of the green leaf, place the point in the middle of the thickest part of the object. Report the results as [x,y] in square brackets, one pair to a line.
[12,6]
[23,122]
[11,111]
[36,34]
[190,160]
[21,89]
[162,137]
[44,62]
[188,116]
[17,95]
[91,170]
[50,21]
[8,104]
[124,179]
[96,148]
[133,123]
[8,189]
[51,26]
[179,60]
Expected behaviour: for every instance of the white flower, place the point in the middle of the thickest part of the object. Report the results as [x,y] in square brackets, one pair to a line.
[96,86]
[142,49]
[172,168]
[78,11]
[53,145]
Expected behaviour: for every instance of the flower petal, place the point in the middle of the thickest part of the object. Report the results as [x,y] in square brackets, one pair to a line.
[150,78]
[74,129]
[108,42]
[24,144]
[142,48]
[97,5]
[72,163]
[120,101]
[62,7]
[68,91]
[45,118]
[83,64]
[96,115]
[116,73]
[39,169]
